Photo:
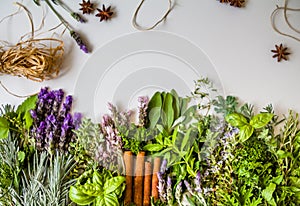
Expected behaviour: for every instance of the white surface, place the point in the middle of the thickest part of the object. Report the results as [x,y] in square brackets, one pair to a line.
[230,45]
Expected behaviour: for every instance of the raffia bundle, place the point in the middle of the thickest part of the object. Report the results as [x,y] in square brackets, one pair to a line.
[35,59]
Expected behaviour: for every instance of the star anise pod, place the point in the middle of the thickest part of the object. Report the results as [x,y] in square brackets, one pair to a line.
[104,14]
[87,7]
[280,52]
[237,3]
[224,1]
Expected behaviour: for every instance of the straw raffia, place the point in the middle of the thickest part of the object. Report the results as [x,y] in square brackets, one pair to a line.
[34,59]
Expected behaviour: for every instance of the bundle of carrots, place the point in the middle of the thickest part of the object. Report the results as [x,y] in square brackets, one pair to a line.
[141,179]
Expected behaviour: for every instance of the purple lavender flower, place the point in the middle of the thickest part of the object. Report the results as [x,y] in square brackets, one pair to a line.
[79,41]
[33,114]
[161,187]
[143,106]
[169,191]
[197,182]
[163,166]
[77,17]
[77,119]
[178,192]
[188,186]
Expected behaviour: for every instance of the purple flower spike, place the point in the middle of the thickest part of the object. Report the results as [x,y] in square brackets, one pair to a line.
[77,117]
[188,186]
[163,166]
[33,114]
[79,41]
[178,192]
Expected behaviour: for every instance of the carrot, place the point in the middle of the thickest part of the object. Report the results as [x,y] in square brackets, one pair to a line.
[138,179]
[147,183]
[128,159]
[156,166]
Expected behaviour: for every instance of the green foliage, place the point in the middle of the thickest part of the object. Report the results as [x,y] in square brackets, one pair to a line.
[225,106]
[247,128]
[98,188]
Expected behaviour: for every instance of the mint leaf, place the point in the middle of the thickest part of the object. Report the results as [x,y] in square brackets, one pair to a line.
[153,147]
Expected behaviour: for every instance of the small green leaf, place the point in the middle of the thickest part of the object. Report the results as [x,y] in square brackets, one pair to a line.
[113,184]
[4,128]
[268,192]
[245,132]
[236,120]
[153,147]
[97,178]
[79,197]
[185,140]
[21,156]
[283,154]
[277,180]
[27,105]
[261,120]
[167,114]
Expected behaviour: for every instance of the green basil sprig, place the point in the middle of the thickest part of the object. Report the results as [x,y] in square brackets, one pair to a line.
[98,189]
[247,127]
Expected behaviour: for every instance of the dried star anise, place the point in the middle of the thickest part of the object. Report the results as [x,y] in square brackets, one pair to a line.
[104,14]
[237,3]
[224,1]
[87,7]
[280,52]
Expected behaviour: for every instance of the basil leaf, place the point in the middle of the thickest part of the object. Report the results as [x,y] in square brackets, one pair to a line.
[4,128]
[108,200]
[261,120]
[79,197]
[245,132]
[113,184]
[97,179]
[90,189]
[236,119]
[153,147]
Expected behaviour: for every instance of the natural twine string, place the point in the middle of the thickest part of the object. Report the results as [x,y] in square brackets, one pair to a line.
[138,27]
[285,8]
[34,59]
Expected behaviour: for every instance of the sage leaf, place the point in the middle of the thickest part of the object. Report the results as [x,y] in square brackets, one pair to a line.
[186,139]
[4,128]
[261,120]
[245,132]
[236,120]
[154,109]
[168,111]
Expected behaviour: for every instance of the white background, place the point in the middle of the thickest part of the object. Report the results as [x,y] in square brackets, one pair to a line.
[237,42]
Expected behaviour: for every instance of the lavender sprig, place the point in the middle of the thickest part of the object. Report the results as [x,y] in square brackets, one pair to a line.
[178,193]
[169,191]
[73,34]
[161,187]
[143,106]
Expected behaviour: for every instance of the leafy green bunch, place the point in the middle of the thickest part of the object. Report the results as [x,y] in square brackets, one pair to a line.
[101,188]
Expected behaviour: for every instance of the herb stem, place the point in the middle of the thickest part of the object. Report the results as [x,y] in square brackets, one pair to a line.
[63,21]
